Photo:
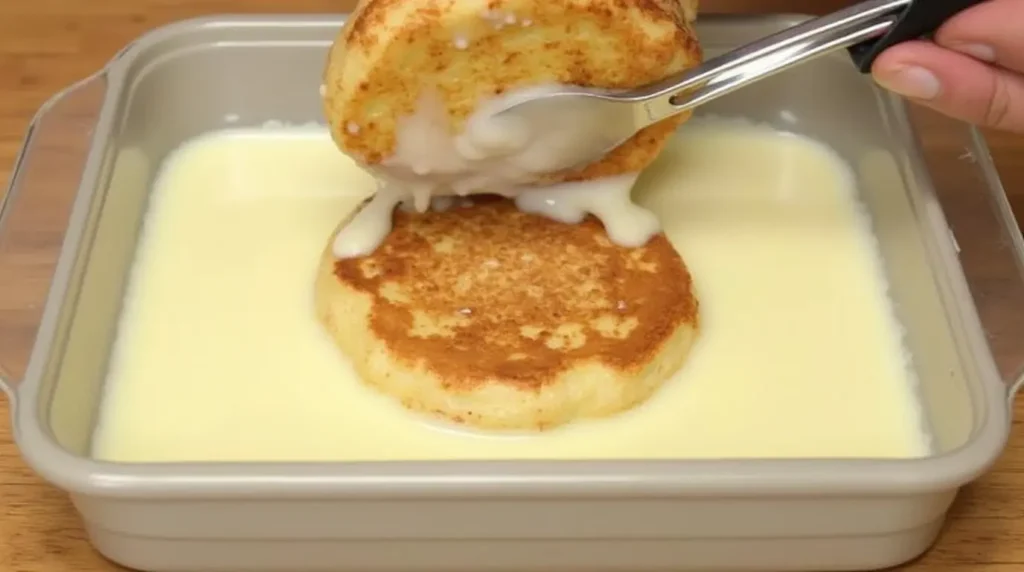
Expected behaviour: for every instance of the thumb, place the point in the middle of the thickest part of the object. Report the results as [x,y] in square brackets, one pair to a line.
[954,84]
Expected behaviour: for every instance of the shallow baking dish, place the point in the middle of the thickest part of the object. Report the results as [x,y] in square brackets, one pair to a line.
[952,251]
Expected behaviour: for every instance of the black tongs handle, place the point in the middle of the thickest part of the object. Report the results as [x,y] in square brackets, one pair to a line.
[919,20]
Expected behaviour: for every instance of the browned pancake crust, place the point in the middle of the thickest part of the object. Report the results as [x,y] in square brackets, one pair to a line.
[496,65]
[488,270]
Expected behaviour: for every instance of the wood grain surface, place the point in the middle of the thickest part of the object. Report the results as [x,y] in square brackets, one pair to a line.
[47,44]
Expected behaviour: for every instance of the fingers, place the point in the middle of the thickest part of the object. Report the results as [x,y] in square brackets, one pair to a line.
[974,71]
[958,85]
[992,31]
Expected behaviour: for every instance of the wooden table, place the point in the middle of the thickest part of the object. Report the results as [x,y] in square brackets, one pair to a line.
[47,44]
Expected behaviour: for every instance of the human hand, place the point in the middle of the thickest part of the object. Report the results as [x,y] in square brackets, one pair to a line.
[974,70]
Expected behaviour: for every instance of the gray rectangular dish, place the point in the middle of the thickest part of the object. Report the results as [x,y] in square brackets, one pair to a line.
[952,251]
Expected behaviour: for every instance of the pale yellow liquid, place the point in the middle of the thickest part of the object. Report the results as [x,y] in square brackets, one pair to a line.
[220,356]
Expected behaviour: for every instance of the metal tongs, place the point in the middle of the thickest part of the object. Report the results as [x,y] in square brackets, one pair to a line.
[865,30]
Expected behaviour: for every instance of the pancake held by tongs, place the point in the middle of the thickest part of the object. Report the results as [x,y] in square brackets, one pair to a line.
[392,54]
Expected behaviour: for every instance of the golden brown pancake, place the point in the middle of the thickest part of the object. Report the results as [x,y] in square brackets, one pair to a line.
[390,51]
[498,319]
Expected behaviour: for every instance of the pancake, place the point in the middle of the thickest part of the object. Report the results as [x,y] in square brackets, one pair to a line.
[497,319]
[391,53]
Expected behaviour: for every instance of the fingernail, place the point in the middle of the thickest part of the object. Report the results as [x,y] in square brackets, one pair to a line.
[979,52]
[911,81]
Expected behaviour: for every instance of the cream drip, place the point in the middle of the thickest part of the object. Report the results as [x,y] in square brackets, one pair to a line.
[496,155]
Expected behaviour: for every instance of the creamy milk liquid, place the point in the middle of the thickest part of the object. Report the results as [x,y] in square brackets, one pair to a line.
[220,356]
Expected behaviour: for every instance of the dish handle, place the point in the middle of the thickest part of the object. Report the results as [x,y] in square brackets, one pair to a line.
[34,215]
[984,230]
